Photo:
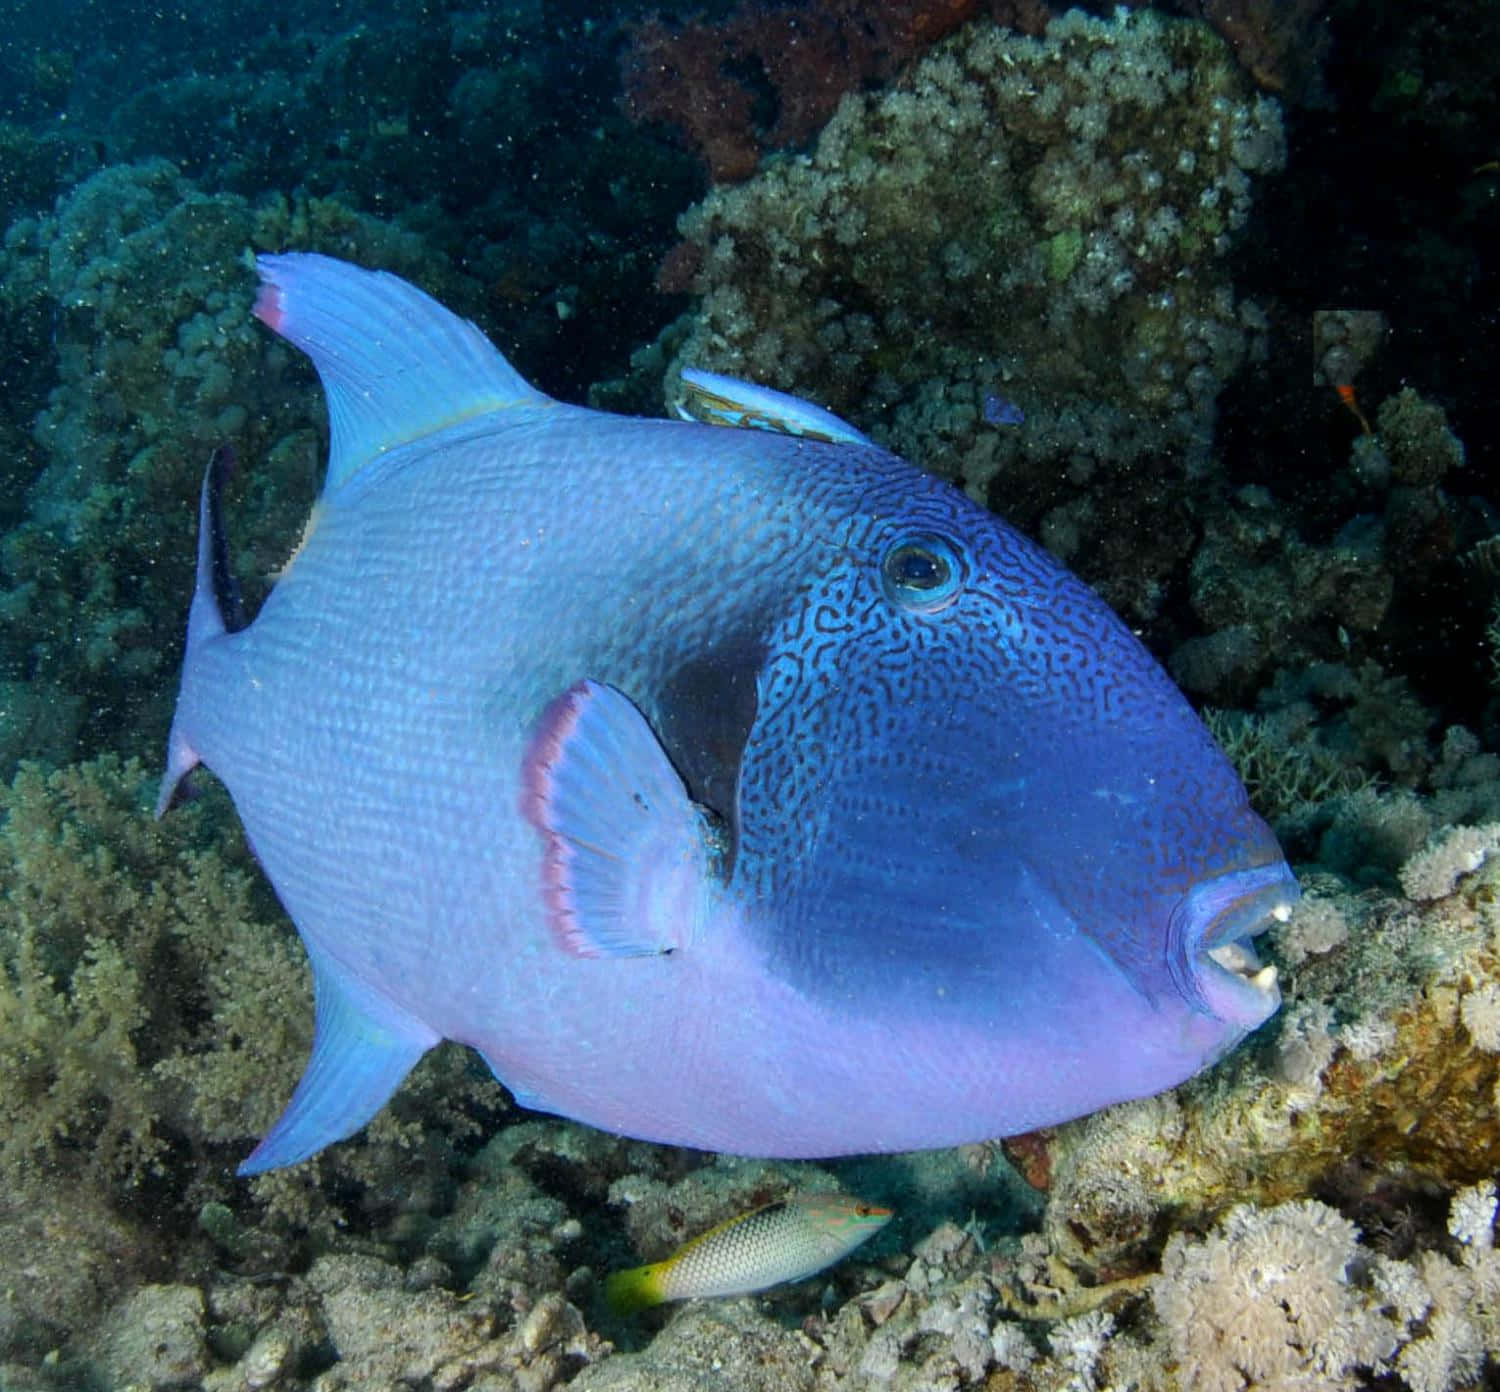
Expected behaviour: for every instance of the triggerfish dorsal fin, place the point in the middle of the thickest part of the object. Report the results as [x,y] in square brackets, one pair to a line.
[362,1049]
[395,364]
[714,399]
[629,863]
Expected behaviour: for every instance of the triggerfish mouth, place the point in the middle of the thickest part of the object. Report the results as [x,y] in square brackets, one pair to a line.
[747,789]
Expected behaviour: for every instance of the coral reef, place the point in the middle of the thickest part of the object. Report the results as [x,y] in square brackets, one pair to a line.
[136,288]
[1270,1295]
[1047,219]
[1043,217]
[127,346]
[1176,1245]
[155,1010]
[1383,1049]
[1280,42]
[1299,596]
[707,78]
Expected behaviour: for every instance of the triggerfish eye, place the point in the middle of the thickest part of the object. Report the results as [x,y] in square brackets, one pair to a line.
[921,573]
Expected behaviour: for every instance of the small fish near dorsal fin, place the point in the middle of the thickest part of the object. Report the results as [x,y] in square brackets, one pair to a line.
[630,863]
[395,364]
[363,1047]
[713,399]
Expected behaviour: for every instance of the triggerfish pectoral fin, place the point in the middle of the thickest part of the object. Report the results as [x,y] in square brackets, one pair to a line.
[362,1049]
[629,858]
[395,364]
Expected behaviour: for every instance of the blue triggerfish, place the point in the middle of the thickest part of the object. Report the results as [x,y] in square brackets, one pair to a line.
[789,1240]
[736,788]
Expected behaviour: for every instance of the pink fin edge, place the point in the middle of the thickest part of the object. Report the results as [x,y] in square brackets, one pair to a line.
[269,307]
[542,756]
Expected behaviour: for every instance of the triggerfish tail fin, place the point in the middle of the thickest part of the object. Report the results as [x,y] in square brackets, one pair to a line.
[786,1241]
[395,364]
[216,610]
[362,1049]
[630,862]
[714,399]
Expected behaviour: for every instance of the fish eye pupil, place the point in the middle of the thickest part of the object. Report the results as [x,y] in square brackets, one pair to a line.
[921,573]
[916,568]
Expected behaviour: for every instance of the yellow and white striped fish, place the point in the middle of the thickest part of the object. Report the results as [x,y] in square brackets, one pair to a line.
[788,1240]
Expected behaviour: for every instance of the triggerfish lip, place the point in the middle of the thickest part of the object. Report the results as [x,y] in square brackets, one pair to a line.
[1210,952]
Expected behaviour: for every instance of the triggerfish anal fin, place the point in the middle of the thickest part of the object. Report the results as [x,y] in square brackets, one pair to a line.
[395,364]
[362,1048]
[714,399]
[217,608]
[629,865]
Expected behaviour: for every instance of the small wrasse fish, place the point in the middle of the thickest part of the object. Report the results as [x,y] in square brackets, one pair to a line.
[789,1240]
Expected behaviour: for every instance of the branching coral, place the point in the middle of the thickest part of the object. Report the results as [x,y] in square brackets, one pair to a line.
[155,1007]
[1283,767]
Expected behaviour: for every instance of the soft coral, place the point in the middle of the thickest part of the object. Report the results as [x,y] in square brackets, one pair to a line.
[707,78]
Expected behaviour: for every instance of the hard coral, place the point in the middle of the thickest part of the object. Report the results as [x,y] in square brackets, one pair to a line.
[1045,218]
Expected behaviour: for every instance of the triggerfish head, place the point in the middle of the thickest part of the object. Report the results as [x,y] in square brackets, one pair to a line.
[747,789]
